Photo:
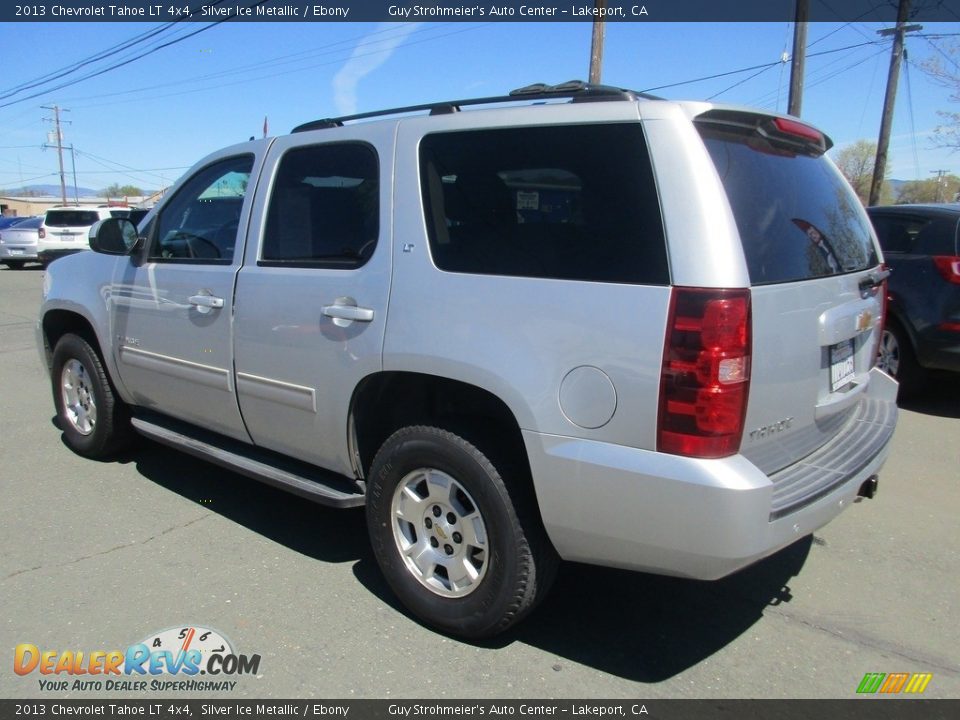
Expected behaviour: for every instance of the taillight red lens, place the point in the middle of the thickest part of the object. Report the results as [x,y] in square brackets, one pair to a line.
[706,373]
[949,267]
[884,301]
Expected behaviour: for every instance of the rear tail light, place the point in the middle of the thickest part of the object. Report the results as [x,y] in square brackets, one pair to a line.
[949,267]
[884,301]
[41,233]
[706,373]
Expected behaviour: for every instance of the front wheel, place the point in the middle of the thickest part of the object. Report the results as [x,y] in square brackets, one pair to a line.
[462,550]
[95,422]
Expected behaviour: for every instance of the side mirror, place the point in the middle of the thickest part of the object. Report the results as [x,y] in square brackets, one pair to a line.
[114,236]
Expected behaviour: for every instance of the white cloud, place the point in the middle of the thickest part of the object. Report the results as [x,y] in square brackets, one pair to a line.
[370,53]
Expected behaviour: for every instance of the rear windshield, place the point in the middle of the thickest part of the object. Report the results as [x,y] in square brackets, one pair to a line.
[71,218]
[797,217]
[33,222]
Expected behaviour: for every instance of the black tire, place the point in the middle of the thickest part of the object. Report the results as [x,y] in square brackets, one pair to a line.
[898,360]
[517,563]
[13,264]
[95,422]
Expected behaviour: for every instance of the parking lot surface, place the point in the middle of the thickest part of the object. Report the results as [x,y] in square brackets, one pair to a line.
[98,556]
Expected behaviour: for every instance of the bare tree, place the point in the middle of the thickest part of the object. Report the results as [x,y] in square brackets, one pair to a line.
[944,69]
[856,162]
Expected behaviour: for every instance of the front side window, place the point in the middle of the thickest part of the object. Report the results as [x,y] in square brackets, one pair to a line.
[571,202]
[324,207]
[200,222]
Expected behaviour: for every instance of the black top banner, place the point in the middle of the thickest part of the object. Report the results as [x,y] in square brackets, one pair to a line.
[473,11]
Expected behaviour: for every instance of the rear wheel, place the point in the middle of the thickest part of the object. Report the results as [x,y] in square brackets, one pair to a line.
[462,550]
[95,422]
[13,264]
[897,359]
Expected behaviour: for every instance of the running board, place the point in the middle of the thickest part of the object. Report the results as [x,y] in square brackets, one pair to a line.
[305,480]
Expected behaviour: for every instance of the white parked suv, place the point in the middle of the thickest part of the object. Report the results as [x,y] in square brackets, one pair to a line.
[596,326]
[65,229]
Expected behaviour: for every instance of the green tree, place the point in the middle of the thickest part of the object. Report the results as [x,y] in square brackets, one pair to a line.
[934,190]
[116,190]
[856,162]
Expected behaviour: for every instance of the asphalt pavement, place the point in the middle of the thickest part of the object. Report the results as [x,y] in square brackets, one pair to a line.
[98,556]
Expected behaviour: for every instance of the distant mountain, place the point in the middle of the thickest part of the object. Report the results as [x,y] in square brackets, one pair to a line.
[895,185]
[50,191]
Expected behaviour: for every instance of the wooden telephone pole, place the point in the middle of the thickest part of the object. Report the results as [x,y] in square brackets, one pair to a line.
[798,57]
[596,43]
[893,78]
[59,135]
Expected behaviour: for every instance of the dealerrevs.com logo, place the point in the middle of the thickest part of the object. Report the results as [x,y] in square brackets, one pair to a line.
[181,653]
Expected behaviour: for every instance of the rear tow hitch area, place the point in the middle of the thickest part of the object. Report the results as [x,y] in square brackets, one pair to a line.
[869,488]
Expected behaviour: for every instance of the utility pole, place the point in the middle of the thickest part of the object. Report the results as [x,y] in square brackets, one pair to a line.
[596,43]
[893,78]
[798,57]
[939,174]
[59,132]
[73,162]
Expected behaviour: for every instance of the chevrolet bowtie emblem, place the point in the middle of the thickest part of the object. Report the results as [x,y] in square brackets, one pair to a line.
[864,321]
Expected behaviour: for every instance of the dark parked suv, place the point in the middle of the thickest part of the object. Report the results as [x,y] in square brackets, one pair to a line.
[920,245]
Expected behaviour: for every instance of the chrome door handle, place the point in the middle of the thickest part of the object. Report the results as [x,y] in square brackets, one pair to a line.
[348,313]
[205,301]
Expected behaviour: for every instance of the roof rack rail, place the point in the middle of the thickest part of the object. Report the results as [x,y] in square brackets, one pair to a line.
[576,90]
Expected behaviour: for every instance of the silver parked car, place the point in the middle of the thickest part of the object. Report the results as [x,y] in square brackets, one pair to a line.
[18,242]
[632,332]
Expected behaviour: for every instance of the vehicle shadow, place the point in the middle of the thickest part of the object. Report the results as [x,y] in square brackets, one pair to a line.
[642,627]
[939,397]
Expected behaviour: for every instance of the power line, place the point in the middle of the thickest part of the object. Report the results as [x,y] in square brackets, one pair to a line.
[130,60]
[273,74]
[741,82]
[279,61]
[913,127]
[69,69]
[755,67]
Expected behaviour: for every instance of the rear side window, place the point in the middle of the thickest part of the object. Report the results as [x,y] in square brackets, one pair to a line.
[563,202]
[796,215]
[324,207]
[71,218]
[898,233]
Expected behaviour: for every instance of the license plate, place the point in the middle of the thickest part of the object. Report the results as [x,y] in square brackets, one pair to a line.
[841,364]
[14,251]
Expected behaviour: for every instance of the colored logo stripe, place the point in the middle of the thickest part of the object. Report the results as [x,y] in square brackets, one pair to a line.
[871,682]
[918,683]
[893,683]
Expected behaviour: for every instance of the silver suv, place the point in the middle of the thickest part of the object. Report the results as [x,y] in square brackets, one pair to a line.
[598,326]
[65,229]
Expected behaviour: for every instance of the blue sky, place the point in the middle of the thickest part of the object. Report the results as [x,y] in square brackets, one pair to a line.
[146,122]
